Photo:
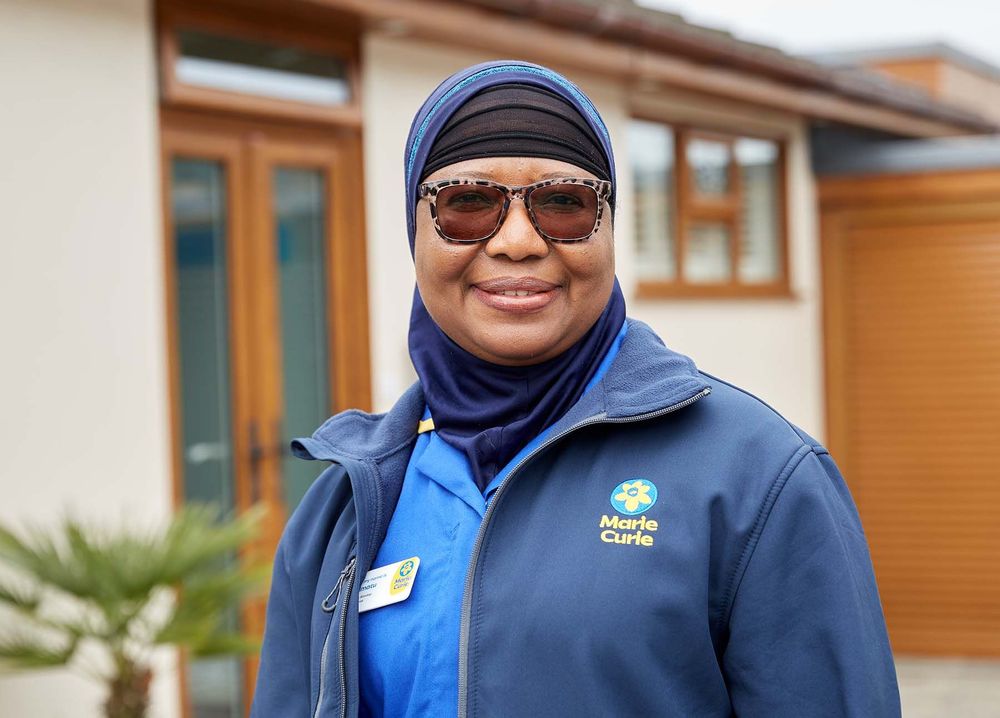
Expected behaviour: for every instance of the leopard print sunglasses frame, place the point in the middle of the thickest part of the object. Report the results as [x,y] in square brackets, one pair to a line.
[429,191]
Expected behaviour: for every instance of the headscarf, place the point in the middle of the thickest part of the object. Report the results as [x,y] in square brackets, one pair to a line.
[490,411]
[516,120]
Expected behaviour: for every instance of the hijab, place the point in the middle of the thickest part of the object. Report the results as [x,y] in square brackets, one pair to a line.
[507,108]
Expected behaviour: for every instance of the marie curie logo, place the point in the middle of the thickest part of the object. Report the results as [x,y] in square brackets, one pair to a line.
[401,580]
[633,496]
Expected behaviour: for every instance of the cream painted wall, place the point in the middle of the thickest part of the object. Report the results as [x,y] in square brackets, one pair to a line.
[83,414]
[769,347]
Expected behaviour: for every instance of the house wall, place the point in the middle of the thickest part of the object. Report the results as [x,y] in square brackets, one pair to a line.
[770,347]
[84,422]
[949,82]
[923,72]
[975,91]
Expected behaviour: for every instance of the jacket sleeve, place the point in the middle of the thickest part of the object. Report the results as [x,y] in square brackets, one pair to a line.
[806,632]
[282,675]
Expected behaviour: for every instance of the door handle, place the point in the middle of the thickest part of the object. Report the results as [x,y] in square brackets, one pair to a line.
[259,452]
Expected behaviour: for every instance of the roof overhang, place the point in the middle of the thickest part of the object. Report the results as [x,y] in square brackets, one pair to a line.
[646,47]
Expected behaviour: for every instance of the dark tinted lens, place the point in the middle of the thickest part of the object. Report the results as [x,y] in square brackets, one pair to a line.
[468,212]
[565,211]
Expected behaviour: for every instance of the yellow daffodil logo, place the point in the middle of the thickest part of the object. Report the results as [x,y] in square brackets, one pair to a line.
[633,496]
[403,576]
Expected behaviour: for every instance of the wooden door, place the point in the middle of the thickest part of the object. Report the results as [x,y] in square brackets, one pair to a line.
[268,322]
[912,307]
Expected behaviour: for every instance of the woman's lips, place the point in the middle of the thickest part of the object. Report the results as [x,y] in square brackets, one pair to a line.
[517,295]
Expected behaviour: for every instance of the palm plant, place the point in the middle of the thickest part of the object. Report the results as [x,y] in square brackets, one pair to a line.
[127,592]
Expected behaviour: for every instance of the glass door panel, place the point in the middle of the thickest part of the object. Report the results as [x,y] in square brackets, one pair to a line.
[266,276]
[198,191]
[300,229]
[199,210]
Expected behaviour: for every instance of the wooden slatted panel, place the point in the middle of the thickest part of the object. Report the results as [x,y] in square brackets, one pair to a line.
[920,390]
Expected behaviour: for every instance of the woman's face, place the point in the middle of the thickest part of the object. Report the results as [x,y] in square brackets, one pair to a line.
[462,285]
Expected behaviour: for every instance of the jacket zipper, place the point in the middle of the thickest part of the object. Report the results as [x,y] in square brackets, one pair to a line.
[463,649]
[329,606]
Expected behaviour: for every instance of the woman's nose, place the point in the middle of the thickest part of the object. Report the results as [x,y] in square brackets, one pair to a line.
[517,238]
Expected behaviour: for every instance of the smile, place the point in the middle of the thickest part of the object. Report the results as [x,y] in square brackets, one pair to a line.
[516,295]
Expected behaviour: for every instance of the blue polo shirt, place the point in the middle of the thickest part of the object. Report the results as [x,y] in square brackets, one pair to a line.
[408,651]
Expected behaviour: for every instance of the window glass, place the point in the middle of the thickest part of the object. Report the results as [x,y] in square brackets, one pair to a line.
[709,163]
[200,215]
[759,259]
[200,218]
[299,233]
[651,151]
[259,68]
[707,257]
[732,217]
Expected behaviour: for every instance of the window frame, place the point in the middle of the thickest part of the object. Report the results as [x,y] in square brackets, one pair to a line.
[691,208]
[173,18]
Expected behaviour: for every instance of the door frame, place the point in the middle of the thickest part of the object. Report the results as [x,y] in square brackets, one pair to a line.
[248,149]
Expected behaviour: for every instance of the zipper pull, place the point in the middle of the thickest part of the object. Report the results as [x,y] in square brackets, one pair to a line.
[328,603]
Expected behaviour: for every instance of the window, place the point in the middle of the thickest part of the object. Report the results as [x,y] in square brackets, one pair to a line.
[709,212]
[257,65]
[259,68]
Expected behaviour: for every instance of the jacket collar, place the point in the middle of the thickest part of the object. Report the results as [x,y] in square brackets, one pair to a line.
[645,377]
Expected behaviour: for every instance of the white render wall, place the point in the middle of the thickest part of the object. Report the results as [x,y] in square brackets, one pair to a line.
[83,395]
[771,347]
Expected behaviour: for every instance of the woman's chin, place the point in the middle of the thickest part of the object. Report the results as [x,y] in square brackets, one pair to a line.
[519,347]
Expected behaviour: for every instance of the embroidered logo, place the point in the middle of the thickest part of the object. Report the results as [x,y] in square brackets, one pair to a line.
[633,497]
[630,497]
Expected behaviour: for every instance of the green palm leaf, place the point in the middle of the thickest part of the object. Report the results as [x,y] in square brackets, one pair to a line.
[21,600]
[19,651]
[128,591]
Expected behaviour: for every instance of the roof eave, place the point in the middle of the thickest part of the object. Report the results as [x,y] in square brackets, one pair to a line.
[604,38]
[661,32]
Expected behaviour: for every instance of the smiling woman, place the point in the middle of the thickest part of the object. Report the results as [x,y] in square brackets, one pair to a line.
[552,455]
[540,179]
[519,299]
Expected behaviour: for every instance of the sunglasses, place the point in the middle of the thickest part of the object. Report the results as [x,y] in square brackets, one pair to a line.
[567,209]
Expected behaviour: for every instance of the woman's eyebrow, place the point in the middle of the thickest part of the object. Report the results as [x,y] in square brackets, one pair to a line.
[470,175]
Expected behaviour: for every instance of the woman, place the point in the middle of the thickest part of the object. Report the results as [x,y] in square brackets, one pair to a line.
[562,517]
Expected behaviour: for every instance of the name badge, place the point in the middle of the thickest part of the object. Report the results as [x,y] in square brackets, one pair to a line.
[388,584]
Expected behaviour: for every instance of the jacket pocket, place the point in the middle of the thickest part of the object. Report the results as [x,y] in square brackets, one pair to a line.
[335,604]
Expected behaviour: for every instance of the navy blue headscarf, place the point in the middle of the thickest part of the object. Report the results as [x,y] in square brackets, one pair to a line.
[489,411]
